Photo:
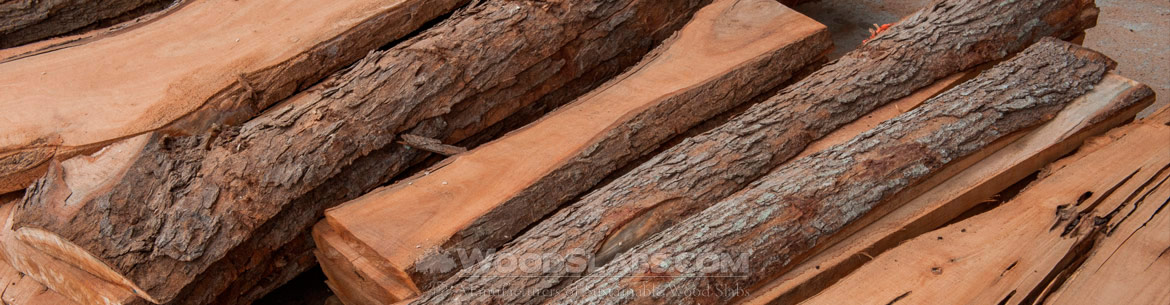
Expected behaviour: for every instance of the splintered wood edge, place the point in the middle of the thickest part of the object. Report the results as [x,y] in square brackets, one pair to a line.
[1098,279]
[1118,99]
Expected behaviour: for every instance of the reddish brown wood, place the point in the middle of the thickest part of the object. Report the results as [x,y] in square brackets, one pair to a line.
[179,221]
[765,228]
[730,52]
[701,170]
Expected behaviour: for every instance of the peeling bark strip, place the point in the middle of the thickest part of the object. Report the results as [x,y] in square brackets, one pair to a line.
[26,21]
[202,64]
[732,51]
[1025,251]
[775,220]
[689,177]
[179,209]
[431,145]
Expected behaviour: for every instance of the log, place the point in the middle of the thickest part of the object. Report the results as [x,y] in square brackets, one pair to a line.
[380,166]
[234,59]
[732,51]
[186,202]
[23,22]
[1024,250]
[1111,103]
[754,235]
[71,282]
[703,169]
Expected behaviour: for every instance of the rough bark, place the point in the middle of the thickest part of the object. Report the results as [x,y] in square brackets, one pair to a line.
[23,22]
[772,223]
[182,207]
[430,145]
[1081,214]
[943,38]
[66,282]
[732,51]
[1112,102]
[204,64]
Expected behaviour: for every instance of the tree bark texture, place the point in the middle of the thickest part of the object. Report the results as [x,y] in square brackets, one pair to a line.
[1111,193]
[200,65]
[730,52]
[941,39]
[25,21]
[774,221]
[1112,102]
[181,208]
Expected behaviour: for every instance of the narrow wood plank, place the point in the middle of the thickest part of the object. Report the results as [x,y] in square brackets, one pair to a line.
[731,51]
[760,232]
[197,207]
[206,63]
[1111,103]
[1014,253]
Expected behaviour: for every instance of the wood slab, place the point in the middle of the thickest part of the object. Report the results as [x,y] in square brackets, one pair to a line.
[705,168]
[206,63]
[196,214]
[730,52]
[1131,263]
[760,232]
[1027,248]
[1090,115]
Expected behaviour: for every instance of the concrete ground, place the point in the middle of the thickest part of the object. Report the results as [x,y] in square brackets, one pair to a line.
[1135,33]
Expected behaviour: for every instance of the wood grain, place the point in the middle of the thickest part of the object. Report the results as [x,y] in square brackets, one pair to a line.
[777,220]
[732,51]
[196,207]
[236,58]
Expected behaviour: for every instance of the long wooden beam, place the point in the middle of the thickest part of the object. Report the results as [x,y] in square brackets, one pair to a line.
[168,224]
[203,64]
[701,170]
[732,51]
[756,234]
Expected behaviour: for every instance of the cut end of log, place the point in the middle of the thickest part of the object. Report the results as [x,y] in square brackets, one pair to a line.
[357,278]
